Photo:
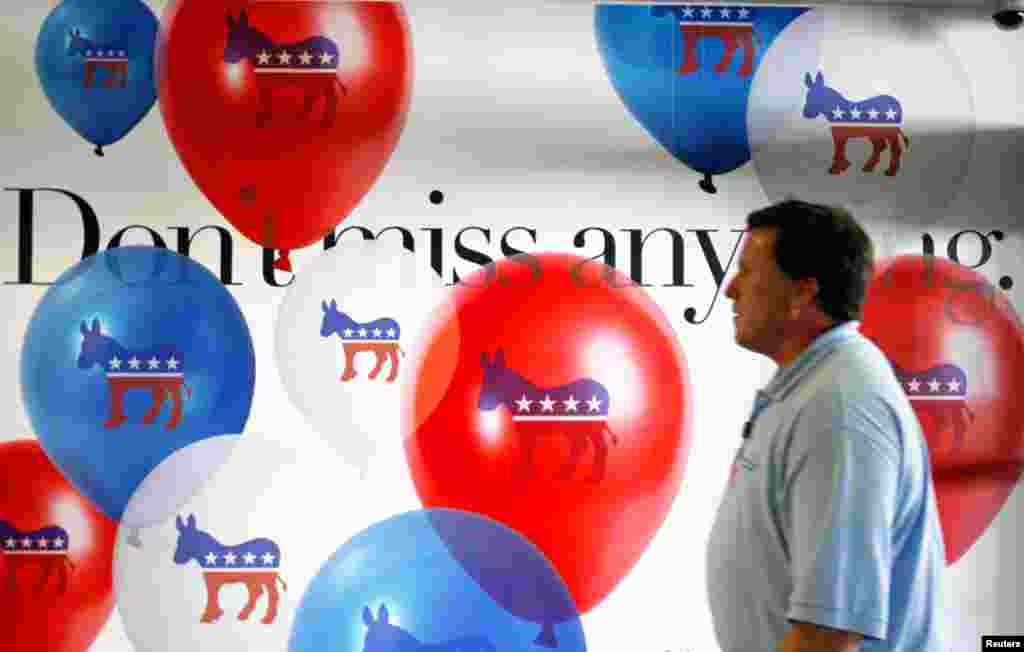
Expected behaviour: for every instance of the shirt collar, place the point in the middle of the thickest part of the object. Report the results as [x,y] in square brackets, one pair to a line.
[786,378]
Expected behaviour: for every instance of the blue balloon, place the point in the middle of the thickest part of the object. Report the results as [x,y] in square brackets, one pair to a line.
[404,585]
[684,72]
[94,59]
[131,355]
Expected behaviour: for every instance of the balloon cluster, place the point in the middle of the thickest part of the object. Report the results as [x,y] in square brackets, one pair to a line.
[798,92]
[138,374]
[283,113]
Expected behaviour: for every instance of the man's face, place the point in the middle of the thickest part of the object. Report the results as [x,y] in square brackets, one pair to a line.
[761,294]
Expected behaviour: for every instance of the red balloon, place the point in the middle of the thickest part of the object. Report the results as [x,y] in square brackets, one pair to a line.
[57,551]
[528,378]
[960,346]
[284,113]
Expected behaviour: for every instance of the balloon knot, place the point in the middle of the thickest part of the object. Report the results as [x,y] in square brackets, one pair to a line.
[99,150]
[546,637]
[706,185]
[283,263]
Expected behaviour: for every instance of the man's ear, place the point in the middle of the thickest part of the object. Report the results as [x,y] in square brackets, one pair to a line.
[806,295]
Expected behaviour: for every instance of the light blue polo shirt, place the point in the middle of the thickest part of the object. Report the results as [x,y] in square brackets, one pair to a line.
[830,515]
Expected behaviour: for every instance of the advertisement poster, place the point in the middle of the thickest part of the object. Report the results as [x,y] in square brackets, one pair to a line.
[291,288]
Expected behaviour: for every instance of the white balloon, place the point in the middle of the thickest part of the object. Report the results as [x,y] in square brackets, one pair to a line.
[263,491]
[176,479]
[341,397]
[862,53]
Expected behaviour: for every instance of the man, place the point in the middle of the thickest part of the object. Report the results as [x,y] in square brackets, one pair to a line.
[827,537]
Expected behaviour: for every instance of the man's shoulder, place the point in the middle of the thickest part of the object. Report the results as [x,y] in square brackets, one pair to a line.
[854,384]
[858,370]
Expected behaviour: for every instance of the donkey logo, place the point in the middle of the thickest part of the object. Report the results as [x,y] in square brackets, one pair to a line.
[379,337]
[158,370]
[382,636]
[733,26]
[110,58]
[254,563]
[577,410]
[877,118]
[46,548]
[311,65]
[941,393]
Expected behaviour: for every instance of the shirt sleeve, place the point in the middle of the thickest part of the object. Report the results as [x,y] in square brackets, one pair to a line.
[839,502]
